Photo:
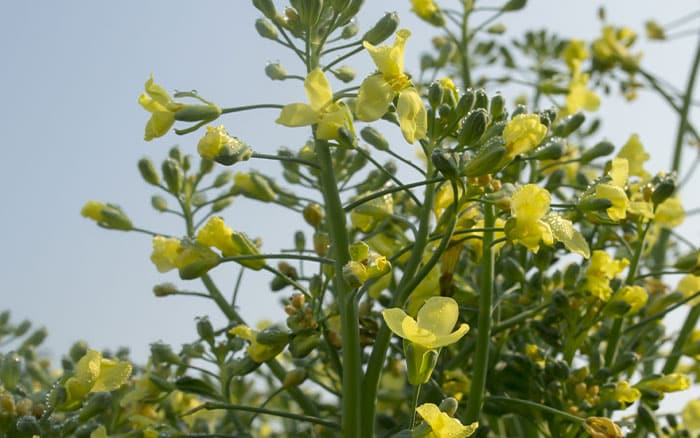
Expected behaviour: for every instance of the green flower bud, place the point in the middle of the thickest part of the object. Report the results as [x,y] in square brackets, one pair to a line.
[159,203]
[349,31]
[187,163]
[374,138]
[266,29]
[199,199]
[273,335]
[198,113]
[253,185]
[313,215]
[359,251]
[309,11]
[552,150]
[176,154]
[647,419]
[473,128]
[322,242]
[599,150]
[223,178]
[355,274]
[205,166]
[294,378]
[446,163]
[299,241]
[481,99]
[243,366]
[164,289]
[514,5]
[663,190]
[205,330]
[519,109]
[4,317]
[221,204]
[96,404]
[162,353]
[275,71]
[346,138]
[344,74]
[148,171]
[569,124]
[10,370]
[487,160]
[449,406]
[303,344]
[465,103]
[626,360]
[594,204]
[28,425]
[34,340]
[267,7]
[498,104]
[435,92]
[22,328]
[497,29]
[233,152]
[173,175]
[348,10]
[383,29]
[77,351]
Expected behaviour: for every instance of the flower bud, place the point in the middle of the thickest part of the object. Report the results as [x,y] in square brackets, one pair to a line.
[198,113]
[449,406]
[473,128]
[594,204]
[164,289]
[266,29]
[663,190]
[159,203]
[205,166]
[355,273]
[294,378]
[173,175]
[275,71]
[221,204]
[359,251]
[22,328]
[569,124]
[10,370]
[497,29]
[309,11]
[253,185]
[28,425]
[349,31]
[222,179]
[148,171]
[383,29]
[313,215]
[374,138]
[267,7]
[481,99]
[344,74]
[446,163]
[299,241]
[435,94]
[162,353]
[487,160]
[205,330]
[599,150]
[108,216]
[273,335]
[514,5]
[4,317]
[465,103]
[552,150]
[303,345]
[34,340]
[626,360]
[97,403]
[498,104]
[322,242]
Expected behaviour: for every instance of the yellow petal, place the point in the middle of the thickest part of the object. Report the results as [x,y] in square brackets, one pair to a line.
[330,122]
[413,118]
[113,374]
[442,425]
[318,90]
[394,318]
[530,203]
[373,98]
[438,315]
[617,196]
[389,59]
[297,114]
[87,370]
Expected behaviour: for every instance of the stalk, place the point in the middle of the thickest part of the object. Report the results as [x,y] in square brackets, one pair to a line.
[481,359]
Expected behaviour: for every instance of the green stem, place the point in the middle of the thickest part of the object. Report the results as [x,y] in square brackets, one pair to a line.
[381,193]
[481,358]
[239,258]
[281,158]
[283,414]
[349,322]
[237,109]
[414,405]
[689,325]
[464,51]
[537,406]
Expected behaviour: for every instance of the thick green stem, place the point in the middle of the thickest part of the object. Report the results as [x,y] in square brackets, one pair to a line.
[689,325]
[481,359]
[381,343]
[349,323]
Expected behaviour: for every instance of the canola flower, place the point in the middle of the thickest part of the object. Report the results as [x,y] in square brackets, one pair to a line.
[191,258]
[633,151]
[108,216]
[94,373]
[635,296]
[575,53]
[529,204]
[600,271]
[379,90]
[443,425]
[328,116]
[601,427]
[614,190]
[215,233]
[624,393]
[523,133]
[580,96]
[691,416]
[257,351]
[217,145]
[668,383]
[688,286]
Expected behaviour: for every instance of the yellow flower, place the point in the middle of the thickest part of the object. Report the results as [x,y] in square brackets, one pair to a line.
[635,296]
[428,11]
[691,416]
[378,91]
[618,197]
[688,286]
[669,213]
[170,253]
[158,102]
[93,373]
[522,133]
[579,96]
[654,30]
[575,53]
[601,427]
[219,146]
[329,116]
[370,214]
[600,271]
[108,216]
[433,326]
[442,425]
[529,204]
[93,210]
[257,351]
[669,383]
[624,393]
[231,243]
[612,47]
[633,151]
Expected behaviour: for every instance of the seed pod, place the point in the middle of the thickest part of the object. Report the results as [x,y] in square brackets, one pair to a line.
[383,29]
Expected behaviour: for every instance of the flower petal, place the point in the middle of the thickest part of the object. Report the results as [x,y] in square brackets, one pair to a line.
[373,99]
[413,118]
[318,90]
[297,114]
[438,315]
[394,318]
[113,374]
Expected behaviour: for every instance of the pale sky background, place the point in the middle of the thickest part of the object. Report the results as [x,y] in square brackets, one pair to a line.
[71,131]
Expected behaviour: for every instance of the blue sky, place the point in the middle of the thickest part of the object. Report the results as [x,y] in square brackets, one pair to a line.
[71,131]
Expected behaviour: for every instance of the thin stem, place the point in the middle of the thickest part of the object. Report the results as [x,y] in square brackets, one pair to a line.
[237,287]
[689,325]
[236,109]
[343,58]
[389,174]
[234,407]
[661,314]
[481,358]
[381,193]
[281,158]
[414,405]
[537,406]
[286,256]
[682,20]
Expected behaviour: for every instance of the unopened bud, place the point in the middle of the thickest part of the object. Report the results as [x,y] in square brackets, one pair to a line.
[222,179]
[374,138]
[275,71]
[294,378]
[321,243]
[552,150]
[205,166]
[34,340]
[299,241]
[487,160]
[221,204]
[344,74]
[266,29]
[198,113]
[498,104]
[465,103]
[383,29]
[148,171]
[159,203]
[449,406]
[594,204]
[514,5]
[97,403]
[303,345]
[273,335]
[173,175]
[10,370]
[78,350]
[313,215]
[599,150]
[569,124]
[253,185]
[446,163]
[663,190]
[355,273]
[162,353]
[267,7]
[349,31]
[22,328]
[435,92]
[473,128]
[481,99]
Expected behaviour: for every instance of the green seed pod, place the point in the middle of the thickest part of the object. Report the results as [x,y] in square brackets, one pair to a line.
[344,74]
[349,31]
[267,7]
[552,150]
[346,138]
[663,190]
[199,199]
[383,29]
[473,128]
[374,138]
[148,171]
[481,99]
[173,175]
[164,289]
[569,124]
[266,29]
[497,107]
[487,160]
[303,345]
[599,150]
[275,71]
